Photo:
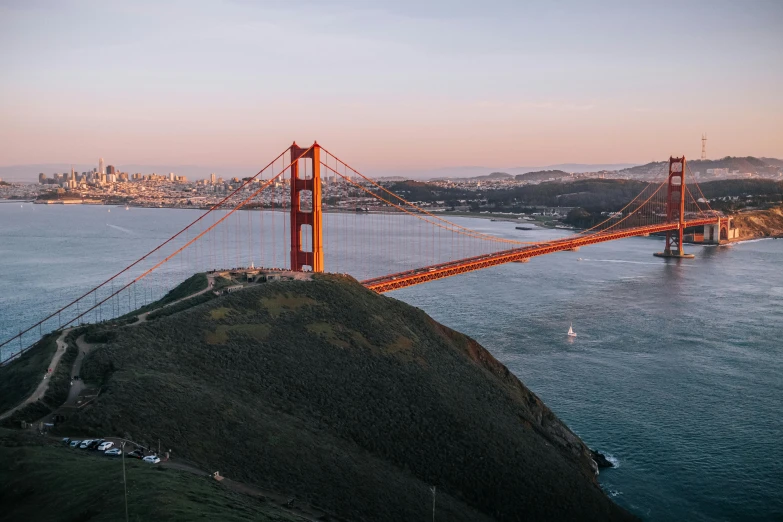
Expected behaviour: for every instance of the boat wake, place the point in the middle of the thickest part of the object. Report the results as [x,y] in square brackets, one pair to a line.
[622,261]
[122,229]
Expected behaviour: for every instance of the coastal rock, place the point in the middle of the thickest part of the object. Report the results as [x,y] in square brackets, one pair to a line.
[600,460]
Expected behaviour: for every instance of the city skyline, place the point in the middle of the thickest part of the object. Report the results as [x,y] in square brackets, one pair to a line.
[398,87]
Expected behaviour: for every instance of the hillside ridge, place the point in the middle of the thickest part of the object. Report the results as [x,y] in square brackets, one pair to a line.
[354,402]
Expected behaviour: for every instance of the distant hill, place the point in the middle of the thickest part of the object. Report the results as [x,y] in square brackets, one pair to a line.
[542,175]
[762,167]
[496,175]
[356,402]
[773,161]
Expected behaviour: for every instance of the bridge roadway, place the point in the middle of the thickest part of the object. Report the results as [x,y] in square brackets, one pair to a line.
[431,273]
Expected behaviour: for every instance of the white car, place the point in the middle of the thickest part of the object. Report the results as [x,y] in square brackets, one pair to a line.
[152,459]
[85,443]
[103,446]
[75,443]
[113,452]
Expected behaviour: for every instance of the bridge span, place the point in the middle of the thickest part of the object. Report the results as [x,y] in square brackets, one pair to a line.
[400,280]
[406,241]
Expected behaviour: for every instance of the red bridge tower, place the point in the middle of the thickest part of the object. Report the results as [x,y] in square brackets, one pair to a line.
[675,209]
[315,257]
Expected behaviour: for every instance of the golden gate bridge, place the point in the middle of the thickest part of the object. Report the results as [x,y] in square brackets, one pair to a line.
[395,245]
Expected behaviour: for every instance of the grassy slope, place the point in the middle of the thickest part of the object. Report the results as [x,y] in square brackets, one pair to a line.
[19,378]
[56,392]
[48,483]
[354,401]
[189,286]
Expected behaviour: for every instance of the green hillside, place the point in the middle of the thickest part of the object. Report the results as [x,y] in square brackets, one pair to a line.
[353,402]
[19,378]
[44,482]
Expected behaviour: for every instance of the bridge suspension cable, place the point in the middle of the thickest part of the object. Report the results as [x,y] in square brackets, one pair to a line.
[396,244]
[450,225]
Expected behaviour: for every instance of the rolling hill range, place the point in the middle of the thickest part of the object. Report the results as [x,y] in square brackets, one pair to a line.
[353,402]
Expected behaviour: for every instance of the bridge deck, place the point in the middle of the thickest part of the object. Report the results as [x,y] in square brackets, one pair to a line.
[451,268]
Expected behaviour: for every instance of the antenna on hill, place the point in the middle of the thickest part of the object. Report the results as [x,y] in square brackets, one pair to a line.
[704,146]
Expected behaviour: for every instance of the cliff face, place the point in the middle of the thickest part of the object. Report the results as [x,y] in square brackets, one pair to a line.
[356,402]
[760,223]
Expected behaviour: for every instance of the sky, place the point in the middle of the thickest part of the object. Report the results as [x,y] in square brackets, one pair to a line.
[389,85]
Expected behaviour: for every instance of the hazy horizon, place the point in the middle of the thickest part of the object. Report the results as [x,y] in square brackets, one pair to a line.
[394,87]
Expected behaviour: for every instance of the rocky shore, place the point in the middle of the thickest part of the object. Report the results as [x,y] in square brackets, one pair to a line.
[758,224]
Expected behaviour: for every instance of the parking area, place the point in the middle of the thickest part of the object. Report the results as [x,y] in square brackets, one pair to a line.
[114,447]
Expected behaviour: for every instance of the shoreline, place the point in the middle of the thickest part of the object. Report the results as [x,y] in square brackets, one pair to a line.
[499,217]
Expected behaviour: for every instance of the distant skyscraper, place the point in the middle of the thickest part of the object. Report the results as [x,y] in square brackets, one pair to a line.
[111,170]
[212,178]
[100,166]
[41,178]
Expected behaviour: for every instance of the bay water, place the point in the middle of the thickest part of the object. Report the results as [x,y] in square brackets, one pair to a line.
[676,371]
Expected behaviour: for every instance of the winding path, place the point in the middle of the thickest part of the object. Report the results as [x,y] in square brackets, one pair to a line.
[40,391]
[84,348]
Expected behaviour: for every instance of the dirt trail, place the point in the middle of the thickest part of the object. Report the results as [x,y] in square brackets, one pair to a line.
[77,385]
[40,391]
[85,348]
[142,318]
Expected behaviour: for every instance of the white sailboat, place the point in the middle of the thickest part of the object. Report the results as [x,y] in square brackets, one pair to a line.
[571,332]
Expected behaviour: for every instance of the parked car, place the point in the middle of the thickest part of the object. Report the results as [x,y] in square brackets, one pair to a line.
[95,443]
[114,452]
[75,443]
[85,443]
[66,440]
[136,454]
[152,459]
[103,446]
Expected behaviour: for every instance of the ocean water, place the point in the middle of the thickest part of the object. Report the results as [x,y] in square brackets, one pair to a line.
[676,373]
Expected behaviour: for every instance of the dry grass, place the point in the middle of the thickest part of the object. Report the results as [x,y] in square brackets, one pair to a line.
[220,313]
[258,331]
[284,303]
